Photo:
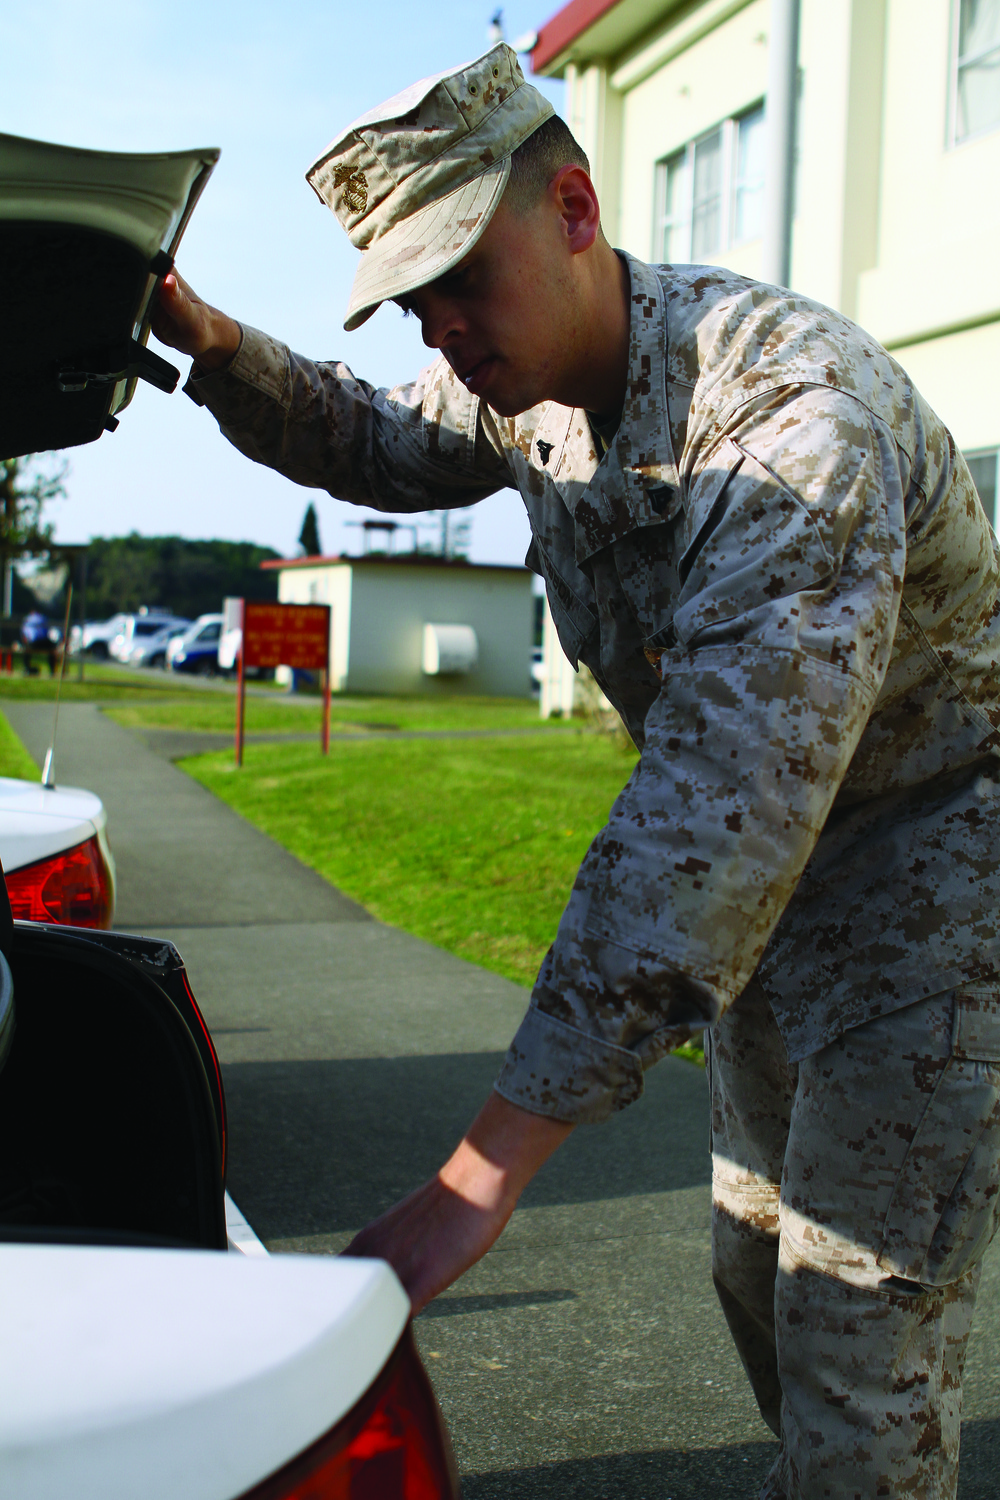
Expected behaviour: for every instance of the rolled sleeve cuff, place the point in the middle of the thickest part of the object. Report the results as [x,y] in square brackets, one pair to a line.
[553,1069]
[260,362]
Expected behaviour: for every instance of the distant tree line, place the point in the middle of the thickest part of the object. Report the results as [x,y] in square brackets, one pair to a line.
[169,572]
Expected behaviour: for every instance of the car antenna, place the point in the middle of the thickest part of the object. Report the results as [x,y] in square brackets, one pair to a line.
[48,780]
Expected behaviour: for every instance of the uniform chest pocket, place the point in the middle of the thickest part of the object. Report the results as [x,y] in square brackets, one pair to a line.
[752,541]
[575,620]
[943,1210]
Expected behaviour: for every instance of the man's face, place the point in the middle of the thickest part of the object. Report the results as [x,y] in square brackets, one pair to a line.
[503,317]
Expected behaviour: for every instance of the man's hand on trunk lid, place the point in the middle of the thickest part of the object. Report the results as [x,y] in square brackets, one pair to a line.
[183,321]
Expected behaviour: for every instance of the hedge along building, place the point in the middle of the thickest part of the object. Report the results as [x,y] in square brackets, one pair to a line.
[419,624]
[895,209]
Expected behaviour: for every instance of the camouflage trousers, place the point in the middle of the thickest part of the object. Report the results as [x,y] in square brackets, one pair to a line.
[854,1195]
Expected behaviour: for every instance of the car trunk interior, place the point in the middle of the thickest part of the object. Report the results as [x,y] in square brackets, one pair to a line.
[109,1131]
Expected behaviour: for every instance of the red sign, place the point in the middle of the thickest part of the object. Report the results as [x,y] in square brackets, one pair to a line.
[286,635]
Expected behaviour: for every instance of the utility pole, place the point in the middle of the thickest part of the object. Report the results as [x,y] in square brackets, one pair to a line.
[779,177]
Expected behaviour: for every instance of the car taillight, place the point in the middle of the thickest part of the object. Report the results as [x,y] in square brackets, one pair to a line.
[72,888]
[392,1446]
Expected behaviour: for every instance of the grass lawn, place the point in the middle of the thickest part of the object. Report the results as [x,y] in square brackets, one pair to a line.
[216,711]
[14,759]
[100,684]
[471,845]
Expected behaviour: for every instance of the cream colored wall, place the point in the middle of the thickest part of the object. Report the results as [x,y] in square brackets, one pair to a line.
[331,585]
[390,605]
[723,73]
[717,76]
[958,376]
[894,226]
[594,115]
[939,215]
[841,110]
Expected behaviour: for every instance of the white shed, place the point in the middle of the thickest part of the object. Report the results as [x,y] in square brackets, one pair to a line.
[419,624]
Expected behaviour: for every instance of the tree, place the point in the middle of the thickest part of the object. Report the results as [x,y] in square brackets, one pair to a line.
[27,485]
[170,572]
[309,535]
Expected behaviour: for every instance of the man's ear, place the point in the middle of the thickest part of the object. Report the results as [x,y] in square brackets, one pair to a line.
[574,196]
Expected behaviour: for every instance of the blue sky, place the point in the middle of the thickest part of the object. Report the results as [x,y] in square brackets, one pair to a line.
[270,84]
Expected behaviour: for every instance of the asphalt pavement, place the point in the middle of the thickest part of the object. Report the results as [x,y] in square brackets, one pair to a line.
[585,1358]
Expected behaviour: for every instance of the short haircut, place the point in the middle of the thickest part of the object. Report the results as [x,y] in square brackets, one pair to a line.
[537,160]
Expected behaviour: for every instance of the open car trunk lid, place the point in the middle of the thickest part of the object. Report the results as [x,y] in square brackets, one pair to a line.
[84,238]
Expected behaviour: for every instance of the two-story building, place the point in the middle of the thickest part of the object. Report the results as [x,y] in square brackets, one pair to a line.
[897,180]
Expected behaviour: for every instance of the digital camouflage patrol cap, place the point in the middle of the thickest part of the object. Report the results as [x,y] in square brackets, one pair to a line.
[417,179]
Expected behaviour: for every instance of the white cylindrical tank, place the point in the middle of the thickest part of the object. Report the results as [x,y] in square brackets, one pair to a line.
[449,650]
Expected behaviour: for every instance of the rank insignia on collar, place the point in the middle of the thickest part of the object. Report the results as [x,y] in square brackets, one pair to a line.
[544,450]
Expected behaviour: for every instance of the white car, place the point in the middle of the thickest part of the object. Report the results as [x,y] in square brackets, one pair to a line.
[137,1360]
[197,649]
[95,636]
[55,855]
[187,1375]
[136,628]
[151,650]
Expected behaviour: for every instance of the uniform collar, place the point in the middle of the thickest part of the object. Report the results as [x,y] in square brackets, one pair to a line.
[636,483]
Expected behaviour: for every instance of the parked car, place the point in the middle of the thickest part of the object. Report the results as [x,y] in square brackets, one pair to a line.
[305,1372]
[95,636]
[197,650]
[231,637]
[137,1359]
[136,628]
[55,855]
[135,1354]
[151,650]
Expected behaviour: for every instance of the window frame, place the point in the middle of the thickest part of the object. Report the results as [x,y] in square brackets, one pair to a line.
[730,133]
[954,140]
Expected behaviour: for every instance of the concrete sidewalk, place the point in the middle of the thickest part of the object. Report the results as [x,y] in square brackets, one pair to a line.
[586,1356]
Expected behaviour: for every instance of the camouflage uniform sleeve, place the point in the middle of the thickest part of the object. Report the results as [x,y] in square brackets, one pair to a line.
[790,589]
[416,447]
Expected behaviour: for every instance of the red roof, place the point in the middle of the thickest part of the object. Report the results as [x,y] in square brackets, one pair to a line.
[564,27]
[402,559]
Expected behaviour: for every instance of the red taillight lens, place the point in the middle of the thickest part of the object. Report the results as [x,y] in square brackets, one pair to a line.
[392,1446]
[72,888]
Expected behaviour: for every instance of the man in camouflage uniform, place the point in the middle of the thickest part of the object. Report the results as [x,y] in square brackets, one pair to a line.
[765,547]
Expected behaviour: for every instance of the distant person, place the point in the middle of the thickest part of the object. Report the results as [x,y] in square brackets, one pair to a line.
[35,637]
[770,554]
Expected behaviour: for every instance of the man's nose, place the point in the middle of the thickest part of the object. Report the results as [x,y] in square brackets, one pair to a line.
[440,324]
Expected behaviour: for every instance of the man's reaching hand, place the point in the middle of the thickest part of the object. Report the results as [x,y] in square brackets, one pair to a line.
[444,1227]
[183,321]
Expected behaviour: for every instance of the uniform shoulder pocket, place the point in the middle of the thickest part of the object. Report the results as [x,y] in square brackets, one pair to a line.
[754,541]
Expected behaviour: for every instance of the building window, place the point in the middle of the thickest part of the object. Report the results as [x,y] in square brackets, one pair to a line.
[984,468]
[710,194]
[977,68]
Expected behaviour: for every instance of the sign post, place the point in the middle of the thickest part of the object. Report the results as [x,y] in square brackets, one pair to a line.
[283,635]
